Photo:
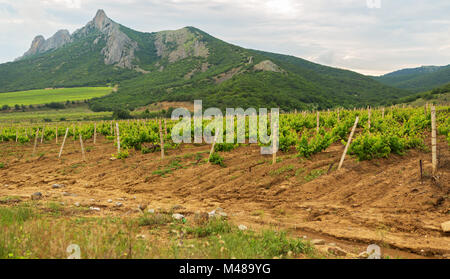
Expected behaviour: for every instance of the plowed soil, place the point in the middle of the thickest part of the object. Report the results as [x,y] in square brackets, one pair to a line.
[383,201]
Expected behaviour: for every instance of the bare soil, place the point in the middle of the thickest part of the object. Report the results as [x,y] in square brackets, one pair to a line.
[383,201]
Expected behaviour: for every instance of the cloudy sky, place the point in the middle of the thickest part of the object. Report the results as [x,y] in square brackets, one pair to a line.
[367,36]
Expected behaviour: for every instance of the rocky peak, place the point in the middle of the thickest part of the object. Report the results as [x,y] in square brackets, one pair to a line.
[101,21]
[40,45]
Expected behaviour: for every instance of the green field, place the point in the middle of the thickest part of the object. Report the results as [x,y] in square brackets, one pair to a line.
[80,112]
[44,96]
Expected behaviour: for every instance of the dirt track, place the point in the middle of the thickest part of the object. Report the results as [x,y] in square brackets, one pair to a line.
[382,201]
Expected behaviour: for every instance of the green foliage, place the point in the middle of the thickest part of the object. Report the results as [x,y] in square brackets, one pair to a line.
[216,159]
[418,79]
[367,147]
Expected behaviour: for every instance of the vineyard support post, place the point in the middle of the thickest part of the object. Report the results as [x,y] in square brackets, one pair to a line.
[369,114]
[212,148]
[95,133]
[118,138]
[274,144]
[433,139]
[161,140]
[35,141]
[17,136]
[64,141]
[82,148]
[318,122]
[42,134]
[165,128]
[382,113]
[56,133]
[348,143]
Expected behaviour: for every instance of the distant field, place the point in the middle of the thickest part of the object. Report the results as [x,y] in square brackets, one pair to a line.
[44,96]
[81,112]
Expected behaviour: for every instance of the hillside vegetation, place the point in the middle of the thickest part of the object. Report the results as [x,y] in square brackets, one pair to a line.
[417,79]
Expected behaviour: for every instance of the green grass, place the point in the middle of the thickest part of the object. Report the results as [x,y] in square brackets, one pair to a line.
[44,96]
[81,112]
[35,231]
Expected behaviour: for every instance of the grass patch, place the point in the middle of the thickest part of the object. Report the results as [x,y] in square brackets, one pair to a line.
[314,174]
[281,170]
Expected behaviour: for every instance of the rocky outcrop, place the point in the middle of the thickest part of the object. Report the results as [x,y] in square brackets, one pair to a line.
[179,44]
[268,65]
[40,45]
[120,49]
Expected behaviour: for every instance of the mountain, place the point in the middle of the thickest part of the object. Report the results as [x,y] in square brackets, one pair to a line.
[417,79]
[184,65]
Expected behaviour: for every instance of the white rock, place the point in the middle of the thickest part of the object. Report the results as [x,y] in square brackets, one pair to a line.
[446,226]
[118,204]
[110,201]
[151,210]
[177,216]
[77,204]
[57,186]
[94,208]
[242,227]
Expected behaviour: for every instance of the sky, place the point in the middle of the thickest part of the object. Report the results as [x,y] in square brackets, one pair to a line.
[372,37]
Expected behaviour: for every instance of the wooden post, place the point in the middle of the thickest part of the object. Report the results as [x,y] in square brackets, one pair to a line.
[17,136]
[318,122]
[42,134]
[165,128]
[338,115]
[95,133]
[64,141]
[421,170]
[274,144]
[161,140]
[118,137]
[382,113]
[368,121]
[35,141]
[56,133]
[212,148]
[433,139]
[82,148]
[348,143]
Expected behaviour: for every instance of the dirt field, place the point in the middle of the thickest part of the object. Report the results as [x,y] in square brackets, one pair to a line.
[380,202]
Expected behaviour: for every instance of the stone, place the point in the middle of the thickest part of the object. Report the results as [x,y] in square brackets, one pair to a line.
[212,214]
[57,186]
[151,211]
[337,251]
[77,204]
[36,196]
[94,208]
[318,242]
[118,204]
[363,255]
[177,216]
[110,201]
[446,227]
[242,227]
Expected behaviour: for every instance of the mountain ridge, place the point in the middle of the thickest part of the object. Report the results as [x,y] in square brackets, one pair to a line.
[182,65]
[418,79]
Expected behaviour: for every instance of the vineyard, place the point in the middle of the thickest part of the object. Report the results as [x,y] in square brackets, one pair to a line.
[387,192]
[379,133]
